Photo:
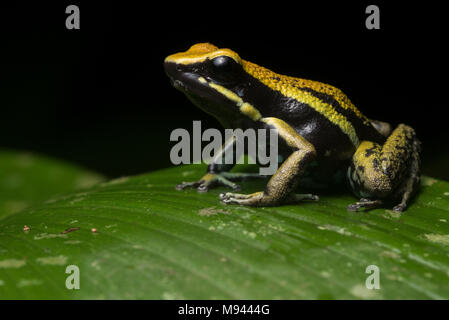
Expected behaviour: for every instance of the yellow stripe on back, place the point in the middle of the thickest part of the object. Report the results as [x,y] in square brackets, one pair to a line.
[286,86]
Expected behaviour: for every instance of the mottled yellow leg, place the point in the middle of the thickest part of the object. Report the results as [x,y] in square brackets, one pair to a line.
[383,173]
[411,183]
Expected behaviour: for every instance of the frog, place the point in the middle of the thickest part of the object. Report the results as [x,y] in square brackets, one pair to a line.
[319,130]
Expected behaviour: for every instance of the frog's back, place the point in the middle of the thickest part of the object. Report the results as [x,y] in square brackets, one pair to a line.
[319,112]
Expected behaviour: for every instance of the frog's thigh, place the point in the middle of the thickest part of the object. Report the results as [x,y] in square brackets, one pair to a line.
[281,184]
[381,171]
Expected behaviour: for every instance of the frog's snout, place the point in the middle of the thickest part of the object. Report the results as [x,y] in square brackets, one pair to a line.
[178,84]
[171,69]
[173,73]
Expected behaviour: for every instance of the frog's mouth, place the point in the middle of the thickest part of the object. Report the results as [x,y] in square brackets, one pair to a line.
[202,94]
[183,80]
[189,84]
[178,84]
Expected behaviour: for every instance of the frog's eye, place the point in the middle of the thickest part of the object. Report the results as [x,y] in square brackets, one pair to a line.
[223,63]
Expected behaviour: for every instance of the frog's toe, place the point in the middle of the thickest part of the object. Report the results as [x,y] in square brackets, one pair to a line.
[242,199]
[206,185]
[399,208]
[230,195]
[354,207]
[228,183]
[365,204]
[236,187]
[184,185]
[202,187]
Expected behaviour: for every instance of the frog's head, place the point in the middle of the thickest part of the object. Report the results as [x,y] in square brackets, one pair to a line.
[212,78]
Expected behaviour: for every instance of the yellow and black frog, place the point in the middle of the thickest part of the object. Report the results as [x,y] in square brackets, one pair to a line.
[316,124]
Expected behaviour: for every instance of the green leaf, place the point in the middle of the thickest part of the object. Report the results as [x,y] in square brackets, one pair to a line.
[158,243]
[27,178]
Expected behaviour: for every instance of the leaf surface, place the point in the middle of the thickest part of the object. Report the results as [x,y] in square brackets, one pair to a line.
[153,242]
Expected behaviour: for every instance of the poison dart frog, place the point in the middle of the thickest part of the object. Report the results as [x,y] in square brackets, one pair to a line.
[320,132]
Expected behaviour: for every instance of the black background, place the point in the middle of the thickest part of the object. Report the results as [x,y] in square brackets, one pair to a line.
[99,97]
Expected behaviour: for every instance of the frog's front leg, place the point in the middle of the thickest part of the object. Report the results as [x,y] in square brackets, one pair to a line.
[279,188]
[217,172]
[386,172]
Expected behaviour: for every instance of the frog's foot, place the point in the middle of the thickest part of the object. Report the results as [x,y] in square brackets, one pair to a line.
[261,199]
[372,204]
[253,199]
[366,204]
[400,207]
[210,180]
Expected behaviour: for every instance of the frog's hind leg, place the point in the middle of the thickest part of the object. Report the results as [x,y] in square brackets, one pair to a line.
[411,183]
[380,173]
